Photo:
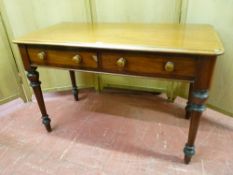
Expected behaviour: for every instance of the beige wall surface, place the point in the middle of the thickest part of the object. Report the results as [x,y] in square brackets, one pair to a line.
[29,15]
[146,11]
[219,14]
[9,87]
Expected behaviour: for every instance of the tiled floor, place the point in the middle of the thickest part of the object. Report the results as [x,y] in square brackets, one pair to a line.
[112,133]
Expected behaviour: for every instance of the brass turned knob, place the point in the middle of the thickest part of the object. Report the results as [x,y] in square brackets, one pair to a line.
[41,55]
[77,59]
[169,66]
[121,62]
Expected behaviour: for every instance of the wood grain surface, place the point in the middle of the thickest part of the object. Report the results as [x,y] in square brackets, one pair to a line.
[173,38]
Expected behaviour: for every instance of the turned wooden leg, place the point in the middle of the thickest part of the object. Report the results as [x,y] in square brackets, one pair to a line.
[33,76]
[197,106]
[187,108]
[74,86]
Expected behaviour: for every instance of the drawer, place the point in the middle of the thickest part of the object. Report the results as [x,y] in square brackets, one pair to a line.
[149,64]
[63,57]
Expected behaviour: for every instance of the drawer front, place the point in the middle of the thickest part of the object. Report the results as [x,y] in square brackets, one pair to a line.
[63,57]
[148,64]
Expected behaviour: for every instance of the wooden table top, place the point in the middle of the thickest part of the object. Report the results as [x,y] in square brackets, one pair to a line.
[171,38]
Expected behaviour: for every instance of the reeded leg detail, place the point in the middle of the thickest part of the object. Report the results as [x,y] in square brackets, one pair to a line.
[187,108]
[196,107]
[74,86]
[33,76]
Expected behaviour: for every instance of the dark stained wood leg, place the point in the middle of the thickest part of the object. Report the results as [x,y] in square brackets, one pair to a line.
[198,97]
[197,106]
[187,108]
[33,76]
[74,86]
